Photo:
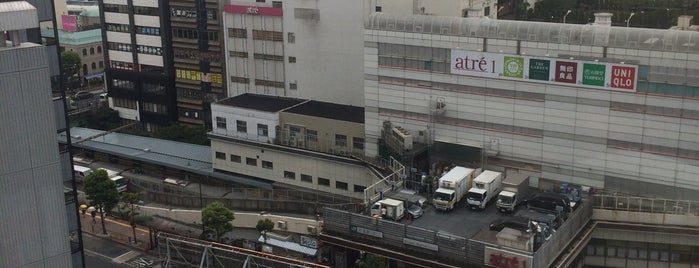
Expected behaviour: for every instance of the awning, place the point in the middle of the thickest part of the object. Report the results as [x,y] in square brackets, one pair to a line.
[94,75]
[288,245]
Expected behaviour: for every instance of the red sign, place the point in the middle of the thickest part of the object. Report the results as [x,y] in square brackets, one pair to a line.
[506,259]
[623,77]
[566,72]
[69,23]
[253,10]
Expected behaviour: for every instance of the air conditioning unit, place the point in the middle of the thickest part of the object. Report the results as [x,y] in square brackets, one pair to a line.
[403,137]
[312,229]
[281,225]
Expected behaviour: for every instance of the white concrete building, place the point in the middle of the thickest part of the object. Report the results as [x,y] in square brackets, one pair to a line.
[607,107]
[449,8]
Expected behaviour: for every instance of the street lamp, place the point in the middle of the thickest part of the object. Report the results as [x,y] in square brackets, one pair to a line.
[629,19]
[566,15]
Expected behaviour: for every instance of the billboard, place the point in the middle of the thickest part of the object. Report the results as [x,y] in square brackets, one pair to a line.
[589,74]
[501,258]
[69,23]
[253,10]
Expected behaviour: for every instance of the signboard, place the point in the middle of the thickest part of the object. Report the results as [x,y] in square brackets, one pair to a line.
[365,231]
[253,10]
[420,244]
[589,74]
[69,23]
[506,259]
[308,242]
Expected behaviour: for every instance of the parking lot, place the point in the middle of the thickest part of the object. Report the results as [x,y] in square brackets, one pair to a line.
[461,221]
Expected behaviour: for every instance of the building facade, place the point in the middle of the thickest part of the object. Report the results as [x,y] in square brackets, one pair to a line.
[607,107]
[38,207]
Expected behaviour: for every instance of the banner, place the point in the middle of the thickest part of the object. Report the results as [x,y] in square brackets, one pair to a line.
[589,74]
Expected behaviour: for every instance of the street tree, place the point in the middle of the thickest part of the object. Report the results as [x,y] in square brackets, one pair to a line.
[217,217]
[264,226]
[70,65]
[102,192]
[374,261]
[130,200]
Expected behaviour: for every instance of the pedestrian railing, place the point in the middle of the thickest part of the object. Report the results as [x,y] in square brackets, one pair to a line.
[644,204]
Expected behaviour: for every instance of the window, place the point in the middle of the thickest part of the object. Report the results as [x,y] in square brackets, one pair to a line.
[378,9]
[235,158]
[220,155]
[238,54]
[276,3]
[267,35]
[94,66]
[291,38]
[340,140]
[293,86]
[237,33]
[262,56]
[306,178]
[92,51]
[262,130]
[312,135]
[251,161]
[220,122]
[268,83]
[99,49]
[267,165]
[241,126]
[359,189]
[358,143]
[486,11]
[101,65]
[289,175]
[84,52]
[341,185]
[241,80]
[292,59]
[260,1]
[323,181]
[124,103]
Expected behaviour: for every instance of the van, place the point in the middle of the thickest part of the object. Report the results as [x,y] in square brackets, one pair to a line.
[548,201]
[80,172]
[121,183]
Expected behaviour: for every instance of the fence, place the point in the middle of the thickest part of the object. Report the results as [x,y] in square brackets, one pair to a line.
[550,250]
[643,204]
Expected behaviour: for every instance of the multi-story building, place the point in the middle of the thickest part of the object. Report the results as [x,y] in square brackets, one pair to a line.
[450,8]
[38,207]
[88,45]
[139,71]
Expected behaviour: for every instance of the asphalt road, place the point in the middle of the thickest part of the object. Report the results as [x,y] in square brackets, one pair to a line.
[101,252]
[462,221]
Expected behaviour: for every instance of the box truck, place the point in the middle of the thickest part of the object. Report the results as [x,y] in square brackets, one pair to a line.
[515,189]
[485,188]
[388,209]
[452,188]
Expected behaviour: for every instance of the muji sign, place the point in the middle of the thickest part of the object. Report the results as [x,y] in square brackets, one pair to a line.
[253,10]
[589,74]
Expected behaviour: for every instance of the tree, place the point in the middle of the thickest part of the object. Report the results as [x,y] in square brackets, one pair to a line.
[130,201]
[264,226]
[374,261]
[102,191]
[70,65]
[218,218]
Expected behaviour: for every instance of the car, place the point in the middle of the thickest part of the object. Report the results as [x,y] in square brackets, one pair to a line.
[521,224]
[103,97]
[415,211]
[83,95]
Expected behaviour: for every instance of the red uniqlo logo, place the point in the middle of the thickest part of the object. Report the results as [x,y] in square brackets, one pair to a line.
[623,77]
[566,72]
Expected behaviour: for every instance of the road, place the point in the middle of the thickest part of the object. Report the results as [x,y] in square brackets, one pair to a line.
[101,252]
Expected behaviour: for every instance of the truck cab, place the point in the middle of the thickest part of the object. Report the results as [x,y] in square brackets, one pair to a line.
[476,198]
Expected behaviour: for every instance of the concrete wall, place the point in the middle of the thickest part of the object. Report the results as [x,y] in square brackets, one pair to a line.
[646,217]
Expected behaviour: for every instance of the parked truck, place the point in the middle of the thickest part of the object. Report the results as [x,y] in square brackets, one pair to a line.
[515,189]
[452,188]
[485,187]
[388,209]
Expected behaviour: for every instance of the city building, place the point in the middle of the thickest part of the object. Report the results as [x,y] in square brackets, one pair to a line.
[450,8]
[38,205]
[88,45]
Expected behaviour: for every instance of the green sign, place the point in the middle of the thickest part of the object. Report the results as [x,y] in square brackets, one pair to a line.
[539,69]
[514,67]
[593,74]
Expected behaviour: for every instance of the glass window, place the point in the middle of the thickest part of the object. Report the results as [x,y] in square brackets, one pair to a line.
[289,175]
[312,135]
[267,164]
[359,189]
[306,178]
[340,140]
[220,155]
[241,126]
[262,130]
[235,158]
[633,253]
[642,254]
[251,161]
[292,59]
[358,143]
[323,181]
[291,38]
[220,122]
[341,185]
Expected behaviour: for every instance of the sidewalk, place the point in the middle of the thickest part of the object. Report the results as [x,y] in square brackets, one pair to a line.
[118,231]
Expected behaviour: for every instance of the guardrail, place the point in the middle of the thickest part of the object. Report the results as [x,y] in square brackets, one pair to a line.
[644,204]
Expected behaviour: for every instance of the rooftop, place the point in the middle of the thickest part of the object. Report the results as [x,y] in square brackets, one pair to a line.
[260,102]
[330,110]
[75,38]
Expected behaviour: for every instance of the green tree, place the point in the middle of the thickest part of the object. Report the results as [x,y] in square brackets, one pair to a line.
[102,191]
[264,226]
[70,65]
[130,200]
[182,133]
[218,218]
[374,261]
[103,119]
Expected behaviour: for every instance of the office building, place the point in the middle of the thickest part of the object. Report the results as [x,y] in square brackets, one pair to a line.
[38,206]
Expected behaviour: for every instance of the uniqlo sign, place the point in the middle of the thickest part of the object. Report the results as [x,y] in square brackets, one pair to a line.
[623,77]
[566,72]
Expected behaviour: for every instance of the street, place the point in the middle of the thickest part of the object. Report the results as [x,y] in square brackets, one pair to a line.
[101,252]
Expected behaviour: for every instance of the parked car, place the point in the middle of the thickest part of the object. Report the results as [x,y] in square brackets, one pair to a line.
[415,211]
[83,95]
[521,224]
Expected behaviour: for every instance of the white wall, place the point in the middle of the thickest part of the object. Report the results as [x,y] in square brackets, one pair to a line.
[252,118]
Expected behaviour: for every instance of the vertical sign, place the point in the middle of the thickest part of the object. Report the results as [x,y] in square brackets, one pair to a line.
[539,69]
[514,67]
[566,72]
[593,74]
[623,77]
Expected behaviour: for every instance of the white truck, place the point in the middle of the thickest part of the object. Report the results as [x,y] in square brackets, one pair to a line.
[485,187]
[388,209]
[515,189]
[452,188]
